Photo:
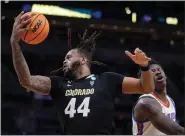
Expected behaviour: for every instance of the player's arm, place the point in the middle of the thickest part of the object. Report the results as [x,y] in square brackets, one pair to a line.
[132,85]
[39,84]
[149,109]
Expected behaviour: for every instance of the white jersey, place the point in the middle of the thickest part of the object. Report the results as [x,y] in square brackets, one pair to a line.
[146,127]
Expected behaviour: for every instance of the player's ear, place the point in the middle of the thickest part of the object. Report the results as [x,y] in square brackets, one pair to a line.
[83,60]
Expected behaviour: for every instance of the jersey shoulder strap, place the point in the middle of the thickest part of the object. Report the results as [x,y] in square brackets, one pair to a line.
[171,101]
[146,96]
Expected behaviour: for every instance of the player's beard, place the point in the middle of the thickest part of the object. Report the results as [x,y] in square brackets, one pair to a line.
[71,72]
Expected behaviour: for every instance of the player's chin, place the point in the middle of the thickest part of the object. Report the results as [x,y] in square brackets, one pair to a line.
[160,87]
[67,73]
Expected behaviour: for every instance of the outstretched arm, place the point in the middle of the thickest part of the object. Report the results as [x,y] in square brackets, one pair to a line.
[39,84]
[149,109]
[139,86]
[132,85]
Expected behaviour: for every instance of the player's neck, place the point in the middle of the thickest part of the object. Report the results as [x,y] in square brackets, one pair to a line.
[162,95]
[82,72]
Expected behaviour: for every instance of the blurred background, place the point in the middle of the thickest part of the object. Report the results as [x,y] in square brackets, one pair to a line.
[155,27]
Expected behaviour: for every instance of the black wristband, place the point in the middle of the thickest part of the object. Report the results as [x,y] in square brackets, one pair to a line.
[145,68]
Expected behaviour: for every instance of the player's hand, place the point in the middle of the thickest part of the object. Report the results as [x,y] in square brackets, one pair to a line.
[19,26]
[138,57]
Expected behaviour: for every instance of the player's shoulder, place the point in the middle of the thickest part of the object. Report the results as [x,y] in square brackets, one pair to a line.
[111,74]
[106,73]
[92,77]
[147,101]
[171,100]
[146,96]
[55,78]
[145,107]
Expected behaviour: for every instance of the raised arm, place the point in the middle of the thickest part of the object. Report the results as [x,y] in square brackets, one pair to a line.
[149,109]
[139,86]
[38,84]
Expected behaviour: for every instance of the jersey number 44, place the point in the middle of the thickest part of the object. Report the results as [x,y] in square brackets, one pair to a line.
[83,108]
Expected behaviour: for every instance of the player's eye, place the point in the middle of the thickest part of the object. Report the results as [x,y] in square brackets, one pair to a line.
[159,69]
[68,57]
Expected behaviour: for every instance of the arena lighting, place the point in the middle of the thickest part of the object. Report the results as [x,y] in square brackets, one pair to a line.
[3,17]
[97,14]
[134,17]
[6,1]
[147,18]
[58,11]
[26,7]
[171,21]
[161,19]
[171,42]
[128,11]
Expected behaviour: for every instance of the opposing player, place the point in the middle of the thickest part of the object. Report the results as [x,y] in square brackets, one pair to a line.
[85,102]
[155,113]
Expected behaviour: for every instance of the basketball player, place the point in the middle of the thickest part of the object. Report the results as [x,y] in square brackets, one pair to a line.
[154,113]
[85,102]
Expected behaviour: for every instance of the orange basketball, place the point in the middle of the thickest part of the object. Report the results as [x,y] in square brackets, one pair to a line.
[38,29]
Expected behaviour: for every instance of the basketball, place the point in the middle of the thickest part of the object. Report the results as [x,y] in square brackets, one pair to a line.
[38,29]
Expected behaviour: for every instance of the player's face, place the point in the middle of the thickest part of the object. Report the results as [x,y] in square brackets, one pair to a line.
[159,77]
[71,62]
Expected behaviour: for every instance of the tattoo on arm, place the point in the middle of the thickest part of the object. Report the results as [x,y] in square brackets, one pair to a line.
[20,64]
[152,111]
[39,84]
